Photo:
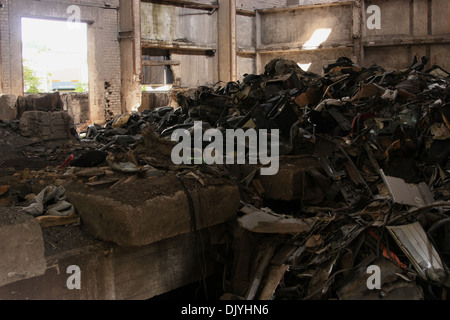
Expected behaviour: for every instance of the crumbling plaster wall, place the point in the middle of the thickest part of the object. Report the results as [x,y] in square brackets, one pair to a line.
[177,28]
[313,36]
[103,46]
[187,34]
[408,28]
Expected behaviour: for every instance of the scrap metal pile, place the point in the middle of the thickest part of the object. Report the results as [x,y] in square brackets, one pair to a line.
[370,150]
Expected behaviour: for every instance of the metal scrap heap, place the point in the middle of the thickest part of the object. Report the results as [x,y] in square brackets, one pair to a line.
[359,207]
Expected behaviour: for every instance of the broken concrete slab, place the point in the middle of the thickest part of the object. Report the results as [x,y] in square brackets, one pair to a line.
[110,216]
[46,125]
[8,110]
[267,221]
[110,272]
[21,246]
[290,183]
[33,102]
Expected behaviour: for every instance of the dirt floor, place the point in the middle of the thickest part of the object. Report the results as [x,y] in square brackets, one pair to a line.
[58,239]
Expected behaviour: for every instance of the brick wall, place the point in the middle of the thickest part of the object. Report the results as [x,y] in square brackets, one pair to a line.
[111,64]
[4,48]
[103,46]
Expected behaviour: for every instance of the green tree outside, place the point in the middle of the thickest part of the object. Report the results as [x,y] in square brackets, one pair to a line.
[32,82]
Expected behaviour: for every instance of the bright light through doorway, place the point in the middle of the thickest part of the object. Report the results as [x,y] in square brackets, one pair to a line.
[55,52]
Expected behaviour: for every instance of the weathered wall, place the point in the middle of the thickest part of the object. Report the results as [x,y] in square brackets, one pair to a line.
[188,34]
[312,36]
[109,272]
[170,23]
[77,106]
[246,44]
[408,28]
[103,47]
[130,47]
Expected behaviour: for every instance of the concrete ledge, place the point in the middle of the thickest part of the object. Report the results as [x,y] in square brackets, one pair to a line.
[21,246]
[110,272]
[159,217]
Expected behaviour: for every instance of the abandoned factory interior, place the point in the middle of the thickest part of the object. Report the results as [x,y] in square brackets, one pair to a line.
[225,150]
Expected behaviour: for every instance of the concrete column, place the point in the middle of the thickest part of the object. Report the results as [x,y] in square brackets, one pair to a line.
[227,40]
[15,32]
[358,50]
[131,55]
[258,42]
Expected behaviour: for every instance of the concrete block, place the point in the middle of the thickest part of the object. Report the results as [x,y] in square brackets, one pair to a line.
[46,125]
[159,217]
[288,183]
[21,247]
[110,272]
[48,101]
[8,110]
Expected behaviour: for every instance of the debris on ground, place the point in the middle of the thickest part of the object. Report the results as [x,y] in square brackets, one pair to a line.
[362,193]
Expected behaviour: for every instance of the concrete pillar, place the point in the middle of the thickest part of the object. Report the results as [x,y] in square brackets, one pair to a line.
[15,34]
[358,50]
[131,55]
[227,41]
[258,42]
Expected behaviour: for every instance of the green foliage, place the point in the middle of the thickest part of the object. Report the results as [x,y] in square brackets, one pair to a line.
[32,81]
[81,87]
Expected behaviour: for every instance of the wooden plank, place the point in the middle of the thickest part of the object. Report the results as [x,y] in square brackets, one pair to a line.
[178,45]
[405,41]
[102,182]
[51,221]
[185,4]
[304,7]
[244,12]
[252,291]
[160,63]
[290,48]
[274,277]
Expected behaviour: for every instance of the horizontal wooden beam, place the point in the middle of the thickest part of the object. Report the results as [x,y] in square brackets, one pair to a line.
[176,45]
[246,51]
[160,62]
[409,41]
[303,7]
[244,12]
[185,4]
[281,49]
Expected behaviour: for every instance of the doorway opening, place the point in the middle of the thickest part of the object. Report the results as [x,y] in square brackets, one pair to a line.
[55,59]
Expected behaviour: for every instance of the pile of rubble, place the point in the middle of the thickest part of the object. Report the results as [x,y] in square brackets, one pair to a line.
[359,207]
[363,181]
